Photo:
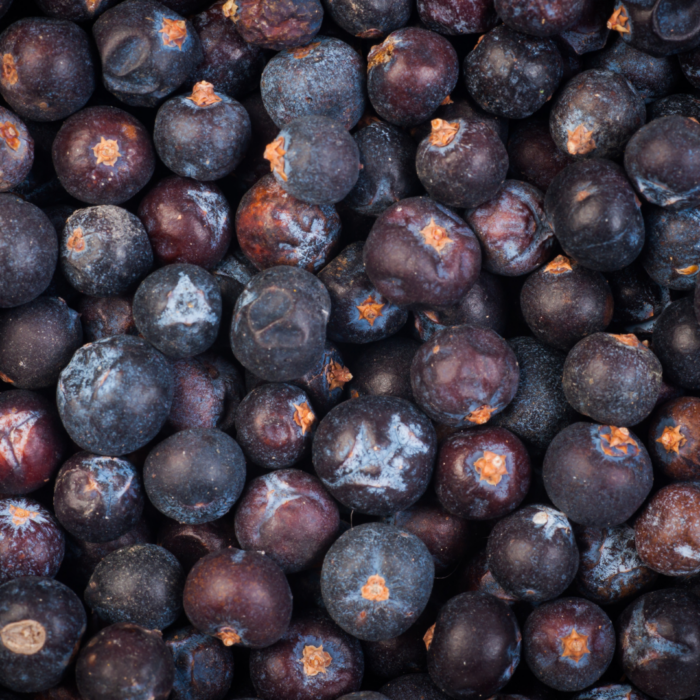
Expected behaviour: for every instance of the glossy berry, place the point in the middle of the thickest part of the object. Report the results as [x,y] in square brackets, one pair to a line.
[568,643]
[41,624]
[673,439]
[195,476]
[375,454]
[376,580]
[676,343]
[16,150]
[98,499]
[532,553]
[115,395]
[239,597]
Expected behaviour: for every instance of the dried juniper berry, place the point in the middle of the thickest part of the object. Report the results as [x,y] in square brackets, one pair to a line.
[359,313]
[658,640]
[512,74]
[41,624]
[203,135]
[482,474]
[195,476]
[376,581]
[189,543]
[275,228]
[375,454]
[475,646]
[477,577]
[420,253]
[203,666]
[661,160]
[533,554]
[409,74]
[589,32]
[637,298]
[289,516]
[613,691]
[462,163]
[279,323]
[75,10]
[32,543]
[325,78]
[115,395]
[389,658]
[666,533]
[683,104]
[28,251]
[105,251]
[614,379]
[141,584]
[610,569]
[32,442]
[674,438]
[98,499]
[187,222]
[593,211]
[47,68]
[125,659]
[690,65]
[677,343]
[597,475]
[369,19]
[103,317]
[314,159]
[568,643]
[457,17]
[563,302]
[538,18]
[103,155]
[38,341]
[147,51]
[239,597]
[513,231]
[315,658]
[464,375]
[16,150]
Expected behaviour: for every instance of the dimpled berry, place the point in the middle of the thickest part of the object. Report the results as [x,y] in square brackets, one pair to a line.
[376,581]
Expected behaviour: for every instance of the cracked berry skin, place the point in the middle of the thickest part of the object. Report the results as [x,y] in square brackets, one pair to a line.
[674,438]
[410,74]
[16,150]
[553,647]
[105,251]
[375,454]
[40,652]
[187,222]
[512,74]
[475,646]
[513,230]
[610,568]
[103,317]
[54,74]
[33,442]
[98,499]
[114,396]
[658,639]
[369,19]
[420,253]
[125,660]
[677,343]
[482,474]
[325,78]
[359,313]
[240,597]
[275,424]
[597,475]
[466,172]
[376,581]
[38,341]
[661,161]
[279,323]
[455,17]
[603,108]
[289,516]
[532,553]
[274,228]
[203,666]
[32,542]
[315,658]
[195,476]
[464,375]
[87,177]
[612,379]
[28,251]
[591,207]
[147,51]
